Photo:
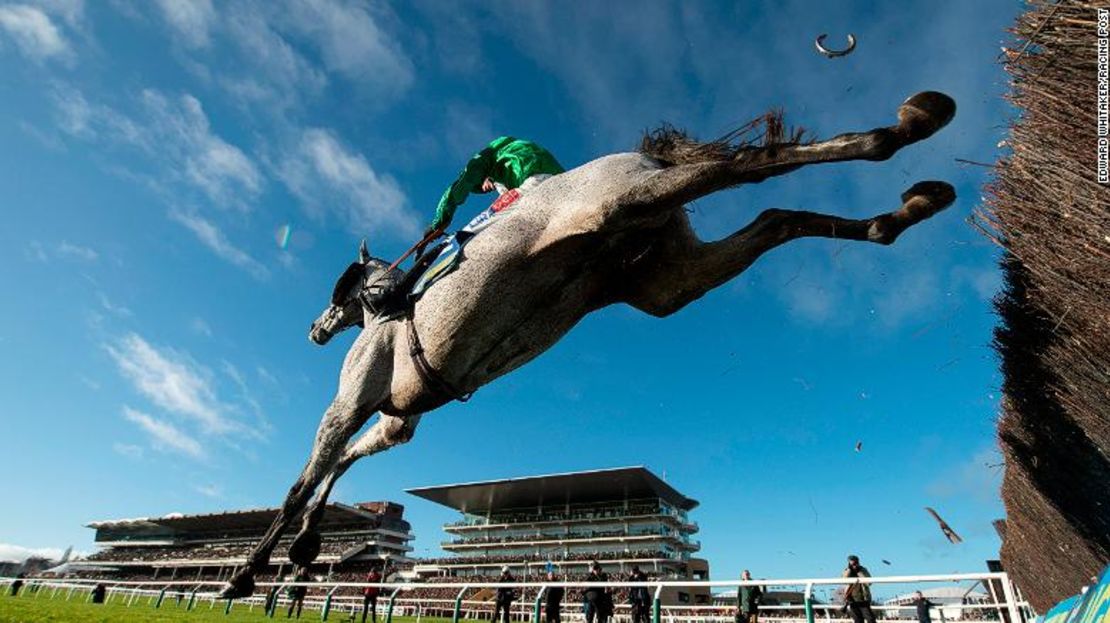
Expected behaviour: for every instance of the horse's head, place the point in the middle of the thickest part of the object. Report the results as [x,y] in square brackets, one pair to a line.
[345,309]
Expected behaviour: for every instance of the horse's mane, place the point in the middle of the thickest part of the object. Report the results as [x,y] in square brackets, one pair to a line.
[674,146]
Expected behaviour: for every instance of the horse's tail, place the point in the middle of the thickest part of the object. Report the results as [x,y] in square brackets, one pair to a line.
[674,146]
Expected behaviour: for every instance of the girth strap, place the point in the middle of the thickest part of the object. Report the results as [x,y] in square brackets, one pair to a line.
[428,374]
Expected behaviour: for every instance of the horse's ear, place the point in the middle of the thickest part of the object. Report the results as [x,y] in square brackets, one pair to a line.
[363,253]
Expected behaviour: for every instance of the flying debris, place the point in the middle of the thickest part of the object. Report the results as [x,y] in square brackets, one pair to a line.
[835,53]
[949,533]
[859,446]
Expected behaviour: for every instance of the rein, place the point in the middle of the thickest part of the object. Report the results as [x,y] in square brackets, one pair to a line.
[429,375]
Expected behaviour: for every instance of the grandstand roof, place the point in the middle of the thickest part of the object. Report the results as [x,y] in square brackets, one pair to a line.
[230,520]
[601,485]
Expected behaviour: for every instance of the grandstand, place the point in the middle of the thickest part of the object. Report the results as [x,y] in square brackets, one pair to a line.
[618,517]
[211,546]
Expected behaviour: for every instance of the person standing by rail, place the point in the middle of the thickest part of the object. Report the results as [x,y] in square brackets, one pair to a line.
[554,600]
[599,603]
[638,596]
[505,597]
[857,596]
[370,595]
[747,600]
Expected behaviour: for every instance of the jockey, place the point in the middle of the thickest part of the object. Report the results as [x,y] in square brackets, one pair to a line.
[505,165]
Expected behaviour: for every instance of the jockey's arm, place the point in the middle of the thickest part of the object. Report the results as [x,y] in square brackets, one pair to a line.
[469,181]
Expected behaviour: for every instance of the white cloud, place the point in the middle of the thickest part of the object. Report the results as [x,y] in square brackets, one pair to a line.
[76,251]
[164,436]
[352,43]
[221,170]
[181,152]
[211,236]
[325,174]
[18,553]
[284,54]
[72,12]
[212,491]
[128,450]
[176,137]
[172,381]
[34,33]
[90,383]
[200,327]
[109,306]
[192,19]
[274,73]
[35,251]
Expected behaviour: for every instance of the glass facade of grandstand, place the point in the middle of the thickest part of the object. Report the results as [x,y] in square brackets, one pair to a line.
[354,539]
[617,517]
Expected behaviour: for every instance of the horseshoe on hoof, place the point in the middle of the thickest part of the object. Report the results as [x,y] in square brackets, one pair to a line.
[835,53]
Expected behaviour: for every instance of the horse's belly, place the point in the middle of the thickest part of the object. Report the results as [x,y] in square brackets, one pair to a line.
[502,308]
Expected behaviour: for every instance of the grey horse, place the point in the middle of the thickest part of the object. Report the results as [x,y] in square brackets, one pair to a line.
[613,230]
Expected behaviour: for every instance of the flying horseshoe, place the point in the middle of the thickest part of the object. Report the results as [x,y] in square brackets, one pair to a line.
[835,53]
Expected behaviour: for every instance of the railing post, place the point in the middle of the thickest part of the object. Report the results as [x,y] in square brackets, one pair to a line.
[327,604]
[272,600]
[657,604]
[1011,601]
[458,604]
[536,611]
[389,608]
[809,602]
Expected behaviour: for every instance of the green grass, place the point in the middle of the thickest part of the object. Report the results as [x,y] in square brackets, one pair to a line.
[31,608]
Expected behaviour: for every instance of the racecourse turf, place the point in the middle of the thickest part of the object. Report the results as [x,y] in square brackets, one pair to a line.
[31,608]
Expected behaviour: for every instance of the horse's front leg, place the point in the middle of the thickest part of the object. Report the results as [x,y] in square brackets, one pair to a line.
[919,117]
[363,385]
[685,269]
[387,432]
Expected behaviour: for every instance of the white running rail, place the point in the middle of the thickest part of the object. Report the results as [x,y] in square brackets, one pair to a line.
[1007,607]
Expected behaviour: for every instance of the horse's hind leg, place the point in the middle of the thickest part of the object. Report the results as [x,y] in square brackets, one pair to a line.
[387,432]
[919,117]
[364,384]
[686,269]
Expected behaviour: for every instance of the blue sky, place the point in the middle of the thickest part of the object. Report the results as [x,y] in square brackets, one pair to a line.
[153,350]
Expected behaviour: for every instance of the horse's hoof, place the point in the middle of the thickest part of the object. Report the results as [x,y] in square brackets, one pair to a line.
[241,585]
[924,199]
[305,548]
[921,201]
[925,113]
